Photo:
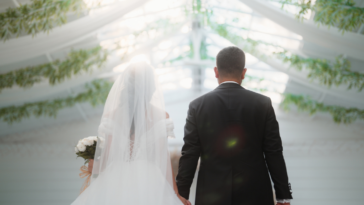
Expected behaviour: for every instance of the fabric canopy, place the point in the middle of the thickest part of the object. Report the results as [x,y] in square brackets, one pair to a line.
[350,44]
[27,47]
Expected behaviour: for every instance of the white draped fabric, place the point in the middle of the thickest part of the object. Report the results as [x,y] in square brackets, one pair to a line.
[351,96]
[352,44]
[17,95]
[27,47]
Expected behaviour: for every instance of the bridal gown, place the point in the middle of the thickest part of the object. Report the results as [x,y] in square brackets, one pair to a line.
[136,182]
[132,165]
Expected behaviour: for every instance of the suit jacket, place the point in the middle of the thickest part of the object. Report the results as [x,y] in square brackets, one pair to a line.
[235,133]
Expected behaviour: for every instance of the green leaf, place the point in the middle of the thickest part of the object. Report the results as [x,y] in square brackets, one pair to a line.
[37,16]
[56,71]
[96,94]
[339,114]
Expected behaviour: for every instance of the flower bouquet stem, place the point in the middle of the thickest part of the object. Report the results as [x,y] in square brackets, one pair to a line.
[90,165]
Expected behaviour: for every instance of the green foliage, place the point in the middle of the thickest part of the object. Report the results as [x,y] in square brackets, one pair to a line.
[196,9]
[247,44]
[256,80]
[223,31]
[326,72]
[191,52]
[96,94]
[339,13]
[56,71]
[187,54]
[340,114]
[38,16]
[204,51]
[161,26]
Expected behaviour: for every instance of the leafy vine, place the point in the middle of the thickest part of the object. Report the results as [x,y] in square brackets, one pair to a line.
[339,114]
[96,94]
[328,73]
[56,71]
[38,16]
[339,13]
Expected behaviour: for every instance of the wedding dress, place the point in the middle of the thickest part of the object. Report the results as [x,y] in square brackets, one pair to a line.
[132,164]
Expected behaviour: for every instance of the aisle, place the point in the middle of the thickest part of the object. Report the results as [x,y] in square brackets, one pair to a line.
[324,161]
[325,180]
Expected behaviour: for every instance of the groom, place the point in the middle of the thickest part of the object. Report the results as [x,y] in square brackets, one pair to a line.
[236,134]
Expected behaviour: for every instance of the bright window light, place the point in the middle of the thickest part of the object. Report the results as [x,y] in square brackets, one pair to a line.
[139,58]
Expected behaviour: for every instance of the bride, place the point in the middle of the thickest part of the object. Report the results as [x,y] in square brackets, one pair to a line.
[132,164]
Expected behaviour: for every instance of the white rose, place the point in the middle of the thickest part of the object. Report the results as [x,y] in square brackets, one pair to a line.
[87,142]
[76,150]
[81,147]
[78,143]
[93,138]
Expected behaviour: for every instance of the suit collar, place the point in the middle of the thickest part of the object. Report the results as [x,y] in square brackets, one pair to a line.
[229,85]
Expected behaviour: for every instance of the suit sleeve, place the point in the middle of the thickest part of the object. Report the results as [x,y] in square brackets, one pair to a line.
[190,154]
[273,152]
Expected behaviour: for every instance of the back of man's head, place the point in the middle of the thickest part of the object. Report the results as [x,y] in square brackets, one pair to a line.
[230,62]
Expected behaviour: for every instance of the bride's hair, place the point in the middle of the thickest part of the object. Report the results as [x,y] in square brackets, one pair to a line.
[138,80]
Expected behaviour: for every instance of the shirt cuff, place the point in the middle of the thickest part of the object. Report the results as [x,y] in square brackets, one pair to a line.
[283,200]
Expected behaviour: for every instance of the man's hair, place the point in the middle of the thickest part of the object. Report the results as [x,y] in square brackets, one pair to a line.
[230,61]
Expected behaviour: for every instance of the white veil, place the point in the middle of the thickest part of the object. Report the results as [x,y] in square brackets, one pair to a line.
[132,163]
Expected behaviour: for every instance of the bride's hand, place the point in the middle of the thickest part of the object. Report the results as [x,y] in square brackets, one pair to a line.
[184,201]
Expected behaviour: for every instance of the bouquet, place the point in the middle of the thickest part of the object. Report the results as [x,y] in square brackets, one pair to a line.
[86,148]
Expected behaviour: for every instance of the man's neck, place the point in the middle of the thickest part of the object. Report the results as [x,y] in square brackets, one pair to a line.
[231,80]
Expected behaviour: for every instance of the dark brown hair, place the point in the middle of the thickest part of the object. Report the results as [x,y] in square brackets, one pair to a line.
[230,61]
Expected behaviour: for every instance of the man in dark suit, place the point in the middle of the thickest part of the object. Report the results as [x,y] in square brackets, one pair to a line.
[236,134]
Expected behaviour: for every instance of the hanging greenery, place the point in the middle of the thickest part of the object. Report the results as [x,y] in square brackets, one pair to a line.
[326,72]
[204,54]
[340,114]
[339,13]
[56,71]
[159,27]
[187,54]
[247,44]
[191,52]
[95,94]
[38,16]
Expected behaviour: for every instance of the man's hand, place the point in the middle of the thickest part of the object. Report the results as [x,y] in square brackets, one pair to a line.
[184,201]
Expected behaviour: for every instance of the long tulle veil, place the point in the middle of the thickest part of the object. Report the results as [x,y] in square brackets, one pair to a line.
[132,163]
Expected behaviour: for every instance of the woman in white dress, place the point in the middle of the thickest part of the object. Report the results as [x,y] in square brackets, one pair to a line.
[132,164]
